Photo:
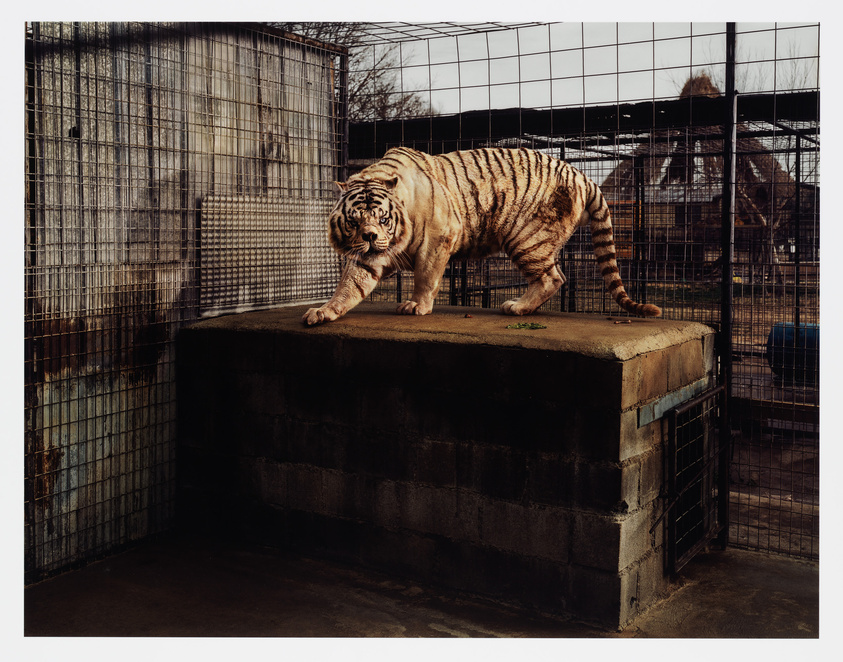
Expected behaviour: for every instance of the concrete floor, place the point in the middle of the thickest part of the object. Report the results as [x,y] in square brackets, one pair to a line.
[180,587]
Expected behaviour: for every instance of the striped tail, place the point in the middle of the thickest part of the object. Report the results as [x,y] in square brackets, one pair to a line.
[604,251]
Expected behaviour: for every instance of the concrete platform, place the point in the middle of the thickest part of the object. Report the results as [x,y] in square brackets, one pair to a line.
[607,338]
[191,587]
[523,465]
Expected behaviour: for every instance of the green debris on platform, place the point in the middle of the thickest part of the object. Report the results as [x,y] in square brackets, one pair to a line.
[526,325]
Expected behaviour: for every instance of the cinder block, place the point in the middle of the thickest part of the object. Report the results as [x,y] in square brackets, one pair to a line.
[642,585]
[496,471]
[651,476]
[654,374]
[635,538]
[427,509]
[579,431]
[594,594]
[376,452]
[435,462]
[259,392]
[387,504]
[500,463]
[258,354]
[273,483]
[530,531]
[254,434]
[635,440]
[686,366]
[595,540]
[304,488]
[630,497]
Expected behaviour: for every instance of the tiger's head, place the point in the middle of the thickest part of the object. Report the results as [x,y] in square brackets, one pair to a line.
[368,221]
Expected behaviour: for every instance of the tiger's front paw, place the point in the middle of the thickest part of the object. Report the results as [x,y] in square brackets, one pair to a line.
[413,308]
[512,307]
[316,316]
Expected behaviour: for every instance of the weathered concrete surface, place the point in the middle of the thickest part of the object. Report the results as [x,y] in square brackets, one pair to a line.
[588,335]
[448,448]
[183,587]
[737,594]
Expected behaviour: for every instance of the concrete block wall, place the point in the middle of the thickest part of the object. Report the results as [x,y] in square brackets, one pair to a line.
[508,463]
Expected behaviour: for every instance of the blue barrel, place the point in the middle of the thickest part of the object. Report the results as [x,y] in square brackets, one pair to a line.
[794,352]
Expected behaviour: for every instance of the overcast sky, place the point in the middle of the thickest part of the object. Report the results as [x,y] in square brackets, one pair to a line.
[602,63]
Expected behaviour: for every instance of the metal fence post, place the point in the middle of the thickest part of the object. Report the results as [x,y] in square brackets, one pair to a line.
[728,258]
[728,212]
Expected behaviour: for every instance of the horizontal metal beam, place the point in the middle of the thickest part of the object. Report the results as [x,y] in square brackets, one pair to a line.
[477,127]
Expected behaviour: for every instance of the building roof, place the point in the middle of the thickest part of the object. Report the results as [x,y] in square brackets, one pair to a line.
[686,165]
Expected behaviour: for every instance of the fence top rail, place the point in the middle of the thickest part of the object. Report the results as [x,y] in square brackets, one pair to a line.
[141,32]
[612,122]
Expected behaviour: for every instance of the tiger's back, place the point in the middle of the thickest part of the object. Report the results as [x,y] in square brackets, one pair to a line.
[473,203]
[494,191]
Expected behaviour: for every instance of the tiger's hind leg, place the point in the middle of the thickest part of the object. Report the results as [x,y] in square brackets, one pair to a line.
[544,278]
[533,247]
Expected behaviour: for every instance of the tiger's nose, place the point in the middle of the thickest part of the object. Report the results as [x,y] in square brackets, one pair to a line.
[369,236]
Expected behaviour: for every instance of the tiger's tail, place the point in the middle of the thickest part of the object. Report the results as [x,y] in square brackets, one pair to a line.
[604,250]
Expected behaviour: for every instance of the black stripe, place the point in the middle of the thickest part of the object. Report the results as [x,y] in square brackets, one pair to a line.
[500,195]
[475,191]
[366,267]
[519,253]
[447,158]
[392,160]
[616,283]
[485,153]
[512,241]
[530,166]
[493,209]
[497,156]
[457,193]
[359,289]
[524,198]
[591,194]
[537,275]
[474,157]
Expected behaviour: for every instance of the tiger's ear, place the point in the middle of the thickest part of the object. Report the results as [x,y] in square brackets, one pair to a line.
[343,186]
[391,182]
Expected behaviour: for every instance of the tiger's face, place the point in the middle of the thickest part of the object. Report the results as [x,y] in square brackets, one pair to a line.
[367,221]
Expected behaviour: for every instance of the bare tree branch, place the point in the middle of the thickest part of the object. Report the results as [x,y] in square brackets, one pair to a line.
[374,81]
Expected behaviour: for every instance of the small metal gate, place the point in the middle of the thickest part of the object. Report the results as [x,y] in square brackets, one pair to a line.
[697,476]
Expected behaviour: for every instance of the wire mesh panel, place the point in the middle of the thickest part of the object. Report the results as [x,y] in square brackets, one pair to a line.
[775,387]
[697,476]
[641,109]
[130,127]
[257,251]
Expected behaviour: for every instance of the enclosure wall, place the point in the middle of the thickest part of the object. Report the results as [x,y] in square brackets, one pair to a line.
[159,157]
[641,108]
